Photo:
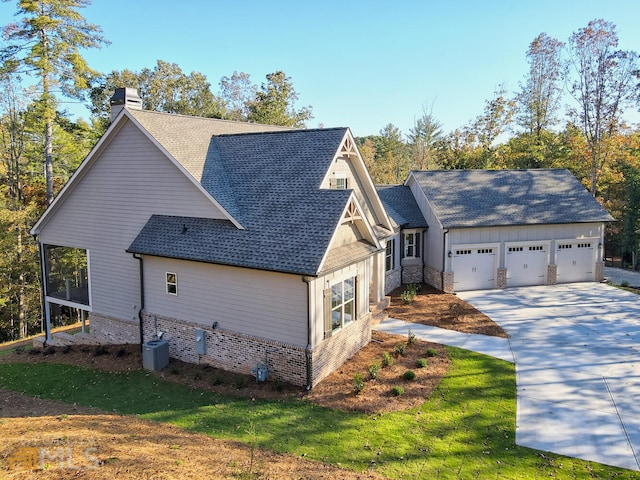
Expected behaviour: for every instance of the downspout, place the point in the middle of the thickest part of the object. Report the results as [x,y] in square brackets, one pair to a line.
[139,258]
[307,349]
[444,255]
[45,305]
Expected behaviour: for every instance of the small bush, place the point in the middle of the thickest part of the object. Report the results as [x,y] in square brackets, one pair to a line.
[197,376]
[412,339]
[100,350]
[374,370]
[421,362]
[387,359]
[409,293]
[624,284]
[358,383]
[279,385]
[240,381]
[121,353]
[397,391]
[400,348]
[456,310]
[409,375]
[216,380]
[431,353]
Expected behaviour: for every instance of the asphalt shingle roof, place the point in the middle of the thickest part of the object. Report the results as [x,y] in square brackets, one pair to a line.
[401,206]
[482,198]
[270,182]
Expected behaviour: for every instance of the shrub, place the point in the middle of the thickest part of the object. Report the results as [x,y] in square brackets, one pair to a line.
[397,391]
[421,362]
[216,380]
[412,339]
[358,383]
[624,284]
[409,375]
[387,359]
[409,293]
[456,310]
[240,381]
[431,353]
[374,370]
[400,348]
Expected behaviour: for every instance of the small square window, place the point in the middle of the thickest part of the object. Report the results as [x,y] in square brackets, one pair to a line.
[341,183]
[172,283]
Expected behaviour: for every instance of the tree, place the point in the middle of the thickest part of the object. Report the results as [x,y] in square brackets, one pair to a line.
[391,151]
[540,96]
[423,137]
[603,84]
[237,93]
[46,42]
[274,103]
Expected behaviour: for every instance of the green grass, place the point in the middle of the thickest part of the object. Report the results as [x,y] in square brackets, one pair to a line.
[465,430]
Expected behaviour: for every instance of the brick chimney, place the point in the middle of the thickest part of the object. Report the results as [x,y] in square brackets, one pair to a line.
[124,98]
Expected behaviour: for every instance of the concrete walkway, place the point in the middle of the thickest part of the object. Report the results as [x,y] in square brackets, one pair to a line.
[577,353]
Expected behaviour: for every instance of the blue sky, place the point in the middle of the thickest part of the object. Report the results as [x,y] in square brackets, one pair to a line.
[361,64]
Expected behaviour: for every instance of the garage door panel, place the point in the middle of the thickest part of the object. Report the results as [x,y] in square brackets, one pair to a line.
[526,265]
[473,268]
[575,261]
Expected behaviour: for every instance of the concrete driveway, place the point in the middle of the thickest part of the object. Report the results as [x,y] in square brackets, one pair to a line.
[577,354]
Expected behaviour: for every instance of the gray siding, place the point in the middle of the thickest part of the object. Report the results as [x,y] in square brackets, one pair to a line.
[109,206]
[254,302]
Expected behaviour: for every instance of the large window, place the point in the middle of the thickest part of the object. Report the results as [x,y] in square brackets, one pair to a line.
[390,255]
[343,303]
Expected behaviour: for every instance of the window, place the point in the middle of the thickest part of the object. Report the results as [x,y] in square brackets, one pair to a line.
[343,303]
[411,245]
[341,183]
[172,283]
[390,260]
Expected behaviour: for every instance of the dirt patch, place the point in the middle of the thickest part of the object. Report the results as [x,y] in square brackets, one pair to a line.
[96,446]
[444,310]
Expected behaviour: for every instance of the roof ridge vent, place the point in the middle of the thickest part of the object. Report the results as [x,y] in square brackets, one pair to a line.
[124,98]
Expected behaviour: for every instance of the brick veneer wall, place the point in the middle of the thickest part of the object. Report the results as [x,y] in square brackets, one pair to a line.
[599,271]
[238,352]
[433,277]
[502,278]
[552,274]
[113,330]
[392,281]
[412,274]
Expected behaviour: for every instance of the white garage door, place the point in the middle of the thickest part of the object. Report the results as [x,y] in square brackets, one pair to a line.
[526,264]
[575,261]
[473,268]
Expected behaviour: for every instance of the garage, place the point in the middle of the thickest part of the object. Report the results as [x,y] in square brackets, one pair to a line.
[575,260]
[474,268]
[526,264]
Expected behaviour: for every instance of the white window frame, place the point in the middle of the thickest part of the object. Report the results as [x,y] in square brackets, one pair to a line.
[341,182]
[410,245]
[171,283]
[343,299]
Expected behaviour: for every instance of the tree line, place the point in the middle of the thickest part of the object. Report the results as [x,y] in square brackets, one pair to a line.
[41,145]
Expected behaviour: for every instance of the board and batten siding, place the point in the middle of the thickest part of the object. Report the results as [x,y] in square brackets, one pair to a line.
[254,302]
[433,236]
[104,210]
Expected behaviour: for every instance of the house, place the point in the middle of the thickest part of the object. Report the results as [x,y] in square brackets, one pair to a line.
[499,228]
[238,243]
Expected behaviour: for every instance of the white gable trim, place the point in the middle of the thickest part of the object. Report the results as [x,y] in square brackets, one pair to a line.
[370,235]
[348,148]
[411,180]
[94,154]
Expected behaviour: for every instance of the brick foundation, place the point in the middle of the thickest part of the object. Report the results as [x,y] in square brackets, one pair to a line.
[115,331]
[392,281]
[412,274]
[433,277]
[448,282]
[237,352]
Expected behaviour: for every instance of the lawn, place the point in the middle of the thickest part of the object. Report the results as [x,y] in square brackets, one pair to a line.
[466,429]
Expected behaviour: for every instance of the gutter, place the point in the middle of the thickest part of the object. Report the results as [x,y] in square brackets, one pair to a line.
[139,258]
[444,255]
[307,349]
